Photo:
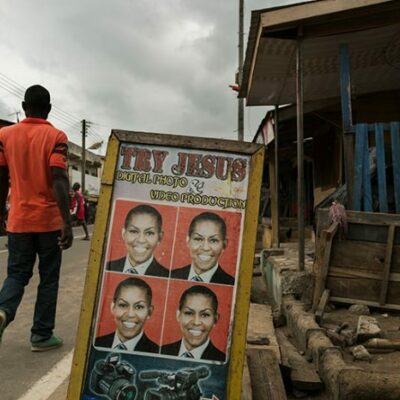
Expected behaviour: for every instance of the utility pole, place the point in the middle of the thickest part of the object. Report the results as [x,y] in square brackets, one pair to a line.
[83,156]
[16,113]
[240,73]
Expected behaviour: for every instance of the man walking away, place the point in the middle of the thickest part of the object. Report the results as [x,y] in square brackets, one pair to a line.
[33,159]
[78,208]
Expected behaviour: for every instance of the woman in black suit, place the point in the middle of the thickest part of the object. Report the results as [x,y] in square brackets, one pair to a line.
[197,316]
[141,233]
[206,241]
[131,308]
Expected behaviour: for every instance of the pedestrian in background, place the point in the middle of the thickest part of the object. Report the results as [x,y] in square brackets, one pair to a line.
[78,208]
[33,159]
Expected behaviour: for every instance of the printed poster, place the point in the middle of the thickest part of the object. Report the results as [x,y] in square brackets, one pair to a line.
[165,310]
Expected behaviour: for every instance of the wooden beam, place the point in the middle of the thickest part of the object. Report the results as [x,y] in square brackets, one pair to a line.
[302,373]
[265,375]
[388,262]
[274,199]
[347,120]
[358,217]
[199,143]
[340,272]
[345,89]
[314,9]
[326,247]
[347,300]
[319,313]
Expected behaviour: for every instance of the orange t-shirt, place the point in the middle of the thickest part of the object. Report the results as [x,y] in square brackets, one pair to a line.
[29,149]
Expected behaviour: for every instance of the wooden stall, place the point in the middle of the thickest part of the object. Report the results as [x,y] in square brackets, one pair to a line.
[360,264]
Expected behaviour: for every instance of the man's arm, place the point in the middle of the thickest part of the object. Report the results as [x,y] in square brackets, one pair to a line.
[61,193]
[4,186]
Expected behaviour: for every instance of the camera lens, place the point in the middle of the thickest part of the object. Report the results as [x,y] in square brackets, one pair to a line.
[122,390]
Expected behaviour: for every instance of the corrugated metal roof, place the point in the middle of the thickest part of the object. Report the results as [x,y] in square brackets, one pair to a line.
[269,73]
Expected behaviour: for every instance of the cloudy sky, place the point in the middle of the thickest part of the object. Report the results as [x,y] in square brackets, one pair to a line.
[147,65]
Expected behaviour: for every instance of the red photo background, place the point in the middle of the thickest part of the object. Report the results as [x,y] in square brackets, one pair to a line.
[219,334]
[116,246]
[228,259]
[153,326]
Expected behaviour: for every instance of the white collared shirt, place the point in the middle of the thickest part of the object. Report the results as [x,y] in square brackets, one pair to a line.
[140,268]
[205,276]
[196,352]
[130,344]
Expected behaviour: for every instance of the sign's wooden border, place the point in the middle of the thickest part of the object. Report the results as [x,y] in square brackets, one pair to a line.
[238,343]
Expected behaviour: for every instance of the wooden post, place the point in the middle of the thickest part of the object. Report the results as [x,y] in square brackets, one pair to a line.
[388,262]
[300,149]
[272,185]
[347,122]
[276,186]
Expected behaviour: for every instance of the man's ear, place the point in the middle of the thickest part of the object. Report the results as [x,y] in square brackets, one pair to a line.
[225,243]
[123,231]
[112,305]
[178,313]
[151,309]
[161,235]
[216,318]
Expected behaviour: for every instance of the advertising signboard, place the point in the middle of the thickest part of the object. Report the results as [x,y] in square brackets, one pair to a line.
[167,291]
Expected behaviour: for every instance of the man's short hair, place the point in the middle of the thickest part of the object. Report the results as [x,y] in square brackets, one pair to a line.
[199,290]
[76,186]
[208,216]
[143,209]
[133,282]
[37,98]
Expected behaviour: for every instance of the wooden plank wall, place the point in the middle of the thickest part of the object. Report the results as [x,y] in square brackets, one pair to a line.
[364,264]
[362,196]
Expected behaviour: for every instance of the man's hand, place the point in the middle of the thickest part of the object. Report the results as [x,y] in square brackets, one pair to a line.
[66,238]
[61,194]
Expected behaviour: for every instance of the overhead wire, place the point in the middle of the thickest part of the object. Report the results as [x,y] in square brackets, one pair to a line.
[20,94]
[72,123]
[21,91]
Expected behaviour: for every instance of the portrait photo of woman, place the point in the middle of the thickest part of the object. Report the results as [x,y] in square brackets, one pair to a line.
[206,241]
[131,308]
[141,234]
[197,315]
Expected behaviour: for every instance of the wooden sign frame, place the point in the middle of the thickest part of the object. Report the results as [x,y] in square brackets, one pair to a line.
[85,333]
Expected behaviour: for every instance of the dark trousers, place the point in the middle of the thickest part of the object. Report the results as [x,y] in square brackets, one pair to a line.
[22,251]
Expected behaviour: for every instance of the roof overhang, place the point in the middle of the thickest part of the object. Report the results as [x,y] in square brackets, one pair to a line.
[370,28]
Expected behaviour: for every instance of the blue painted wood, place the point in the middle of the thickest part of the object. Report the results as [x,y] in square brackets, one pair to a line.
[345,88]
[367,192]
[381,167]
[395,138]
[358,167]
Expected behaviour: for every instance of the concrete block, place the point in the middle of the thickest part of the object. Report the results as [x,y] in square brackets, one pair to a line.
[367,328]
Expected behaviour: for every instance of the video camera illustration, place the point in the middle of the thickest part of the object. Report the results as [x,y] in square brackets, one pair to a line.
[179,385]
[113,378]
